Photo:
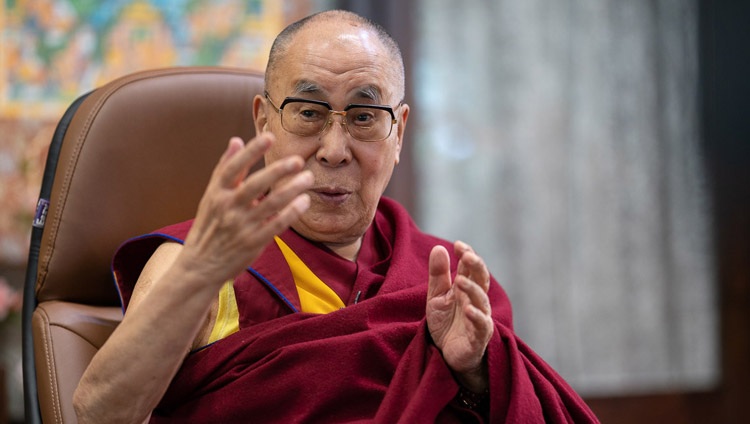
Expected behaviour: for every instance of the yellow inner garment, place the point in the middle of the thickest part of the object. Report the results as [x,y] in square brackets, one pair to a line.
[314,295]
[228,316]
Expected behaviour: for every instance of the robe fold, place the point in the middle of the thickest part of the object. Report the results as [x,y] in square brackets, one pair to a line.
[371,361]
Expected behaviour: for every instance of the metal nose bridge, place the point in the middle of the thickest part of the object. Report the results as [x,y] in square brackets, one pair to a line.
[342,122]
[341,113]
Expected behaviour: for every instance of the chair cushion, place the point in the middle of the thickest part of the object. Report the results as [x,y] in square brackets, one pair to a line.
[66,337]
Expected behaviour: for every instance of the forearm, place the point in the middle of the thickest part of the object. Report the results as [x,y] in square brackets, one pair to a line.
[129,375]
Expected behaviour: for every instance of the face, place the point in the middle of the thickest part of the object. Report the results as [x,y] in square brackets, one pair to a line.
[340,67]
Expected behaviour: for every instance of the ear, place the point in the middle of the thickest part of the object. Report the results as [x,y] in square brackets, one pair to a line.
[260,119]
[402,117]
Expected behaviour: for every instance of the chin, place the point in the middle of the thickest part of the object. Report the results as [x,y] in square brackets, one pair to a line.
[329,228]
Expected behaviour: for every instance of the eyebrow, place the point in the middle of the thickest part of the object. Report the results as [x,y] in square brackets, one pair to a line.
[306,86]
[368,92]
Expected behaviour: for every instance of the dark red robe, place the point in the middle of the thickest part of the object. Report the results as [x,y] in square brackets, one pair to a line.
[372,361]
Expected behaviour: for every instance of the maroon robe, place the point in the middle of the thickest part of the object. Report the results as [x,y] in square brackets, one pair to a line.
[372,361]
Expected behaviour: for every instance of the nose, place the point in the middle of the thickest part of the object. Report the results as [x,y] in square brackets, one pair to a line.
[334,147]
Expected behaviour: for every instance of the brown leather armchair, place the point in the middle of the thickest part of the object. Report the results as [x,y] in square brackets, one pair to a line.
[126,158]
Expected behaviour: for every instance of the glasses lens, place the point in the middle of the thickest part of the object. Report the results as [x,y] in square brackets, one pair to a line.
[303,118]
[368,124]
[363,123]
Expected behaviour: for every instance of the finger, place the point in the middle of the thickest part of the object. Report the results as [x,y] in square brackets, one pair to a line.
[281,196]
[285,217]
[439,281]
[474,294]
[235,145]
[472,266]
[459,249]
[481,320]
[260,182]
[479,271]
[236,166]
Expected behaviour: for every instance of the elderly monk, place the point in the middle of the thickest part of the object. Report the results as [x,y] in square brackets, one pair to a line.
[300,294]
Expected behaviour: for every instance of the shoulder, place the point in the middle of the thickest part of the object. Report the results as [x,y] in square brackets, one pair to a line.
[162,258]
[131,258]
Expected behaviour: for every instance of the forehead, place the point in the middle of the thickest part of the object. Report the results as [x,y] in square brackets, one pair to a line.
[335,59]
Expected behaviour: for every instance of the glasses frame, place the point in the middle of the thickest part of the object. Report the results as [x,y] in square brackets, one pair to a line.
[332,112]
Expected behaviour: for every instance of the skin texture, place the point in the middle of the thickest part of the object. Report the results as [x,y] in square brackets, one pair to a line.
[326,187]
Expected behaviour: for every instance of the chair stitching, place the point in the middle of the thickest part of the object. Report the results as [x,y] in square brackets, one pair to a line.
[50,355]
[77,333]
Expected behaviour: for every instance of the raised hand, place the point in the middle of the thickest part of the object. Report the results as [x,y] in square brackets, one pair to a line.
[459,313]
[237,215]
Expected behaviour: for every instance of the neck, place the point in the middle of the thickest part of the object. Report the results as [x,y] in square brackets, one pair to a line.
[346,250]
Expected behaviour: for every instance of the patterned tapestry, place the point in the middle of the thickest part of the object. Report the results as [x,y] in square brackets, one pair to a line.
[52,51]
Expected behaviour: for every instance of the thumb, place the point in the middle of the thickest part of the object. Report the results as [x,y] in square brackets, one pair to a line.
[440,272]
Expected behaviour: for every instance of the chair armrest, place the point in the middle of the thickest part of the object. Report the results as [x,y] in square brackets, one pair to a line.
[66,337]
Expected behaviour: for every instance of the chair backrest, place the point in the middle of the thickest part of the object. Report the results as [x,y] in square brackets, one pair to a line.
[127,158]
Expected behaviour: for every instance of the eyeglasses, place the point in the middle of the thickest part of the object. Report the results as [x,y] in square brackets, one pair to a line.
[305,118]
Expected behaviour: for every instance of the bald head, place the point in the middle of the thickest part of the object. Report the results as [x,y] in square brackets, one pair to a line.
[346,20]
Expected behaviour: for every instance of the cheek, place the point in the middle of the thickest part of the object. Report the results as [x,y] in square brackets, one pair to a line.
[275,154]
[378,169]
[279,149]
[272,156]
[284,148]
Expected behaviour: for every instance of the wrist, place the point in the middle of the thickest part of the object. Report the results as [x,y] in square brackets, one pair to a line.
[192,269]
[476,380]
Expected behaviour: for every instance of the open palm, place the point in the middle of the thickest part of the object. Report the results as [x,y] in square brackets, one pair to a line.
[459,313]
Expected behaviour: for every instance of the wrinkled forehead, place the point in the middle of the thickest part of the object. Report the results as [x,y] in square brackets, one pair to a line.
[333,58]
